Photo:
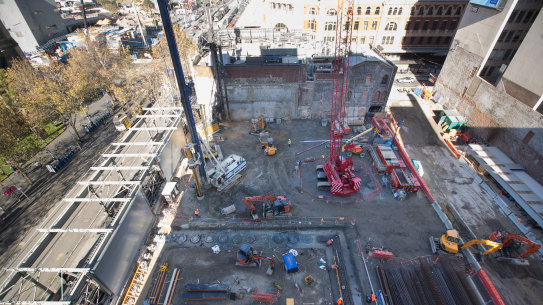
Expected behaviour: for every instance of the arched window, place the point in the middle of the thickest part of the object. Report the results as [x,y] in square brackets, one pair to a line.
[331,12]
[395,11]
[330,26]
[430,10]
[449,11]
[312,11]
[312,24]
[384,81]
[280,26]
[390,10]
[377,10]
[400,11]
[383,95]
[377,96]
[391,26]
[359,11]
[412,11]
[421,11]
[368,10]
[458,11]
[439,11]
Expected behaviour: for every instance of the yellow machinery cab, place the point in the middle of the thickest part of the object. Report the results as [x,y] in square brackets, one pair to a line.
[449,241]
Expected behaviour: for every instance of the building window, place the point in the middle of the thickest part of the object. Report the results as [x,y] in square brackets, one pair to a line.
[383,95]
[439,11]
[430,40]
[390,10]
[502,36]
[356,25]
[506,54]
[516,37]
[387,40]
[377,10]
[329,39]
[421,38]
[368,10]
[359,11]
[513,16]
[443,25]
[363,39]
[425,24]
[330,26]
[368,78]
[458,11]
[528,137]
[391,26]
[400,11]
[331,12]
[520,16]
[447,40]
[384,81]
[377,96]
[280,26]
[430,10]
[434,25]
[395,12]
[412,40]
[412,11]
[453,25]
[372,39]
[407,24]
[421,11]
[449,11]
[417,24]
[438,40]
[528,16]
[509,36]
[374,25]
[365,27]
[311,24]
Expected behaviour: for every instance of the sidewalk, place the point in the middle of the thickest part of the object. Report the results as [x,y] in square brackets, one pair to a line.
[35,167]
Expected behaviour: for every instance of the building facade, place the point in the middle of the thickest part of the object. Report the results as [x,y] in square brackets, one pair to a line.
[303,90]
[395,26]
[31,23]
[493,76]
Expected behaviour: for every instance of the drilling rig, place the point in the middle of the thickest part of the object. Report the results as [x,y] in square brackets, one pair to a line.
[339,170]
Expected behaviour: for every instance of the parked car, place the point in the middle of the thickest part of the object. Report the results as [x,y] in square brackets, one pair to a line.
[407,79]
[195,27]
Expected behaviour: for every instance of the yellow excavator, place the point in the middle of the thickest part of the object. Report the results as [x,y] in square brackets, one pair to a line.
[267,143]
[449,242]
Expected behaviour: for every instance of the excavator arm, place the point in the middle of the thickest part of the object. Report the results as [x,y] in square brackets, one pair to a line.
[249,201]
[494,246]
[354,138]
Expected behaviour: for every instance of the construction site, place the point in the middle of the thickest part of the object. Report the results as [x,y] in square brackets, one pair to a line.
[390,206]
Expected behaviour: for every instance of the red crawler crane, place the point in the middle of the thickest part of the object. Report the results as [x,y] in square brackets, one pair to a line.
[339,170]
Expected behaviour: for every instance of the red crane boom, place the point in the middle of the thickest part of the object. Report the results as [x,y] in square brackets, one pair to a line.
[339,170]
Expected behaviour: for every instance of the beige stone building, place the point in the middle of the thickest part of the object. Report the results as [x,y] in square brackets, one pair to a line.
[394,26]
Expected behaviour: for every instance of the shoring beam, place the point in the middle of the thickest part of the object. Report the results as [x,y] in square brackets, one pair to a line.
[163,108]
[129,155]
[153,128]
[42,269]
[150,116]
[75,230]
[138,143]
[108,183]
[97,199]
[118,168]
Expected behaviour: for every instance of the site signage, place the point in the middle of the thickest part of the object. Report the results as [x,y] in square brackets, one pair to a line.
[495,4]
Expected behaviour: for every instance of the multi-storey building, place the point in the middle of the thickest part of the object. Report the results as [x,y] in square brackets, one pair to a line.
[492,76]
[31,23]
[397,26]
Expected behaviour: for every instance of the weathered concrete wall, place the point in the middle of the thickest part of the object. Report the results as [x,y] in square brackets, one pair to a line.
[492,114]
[278,90]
